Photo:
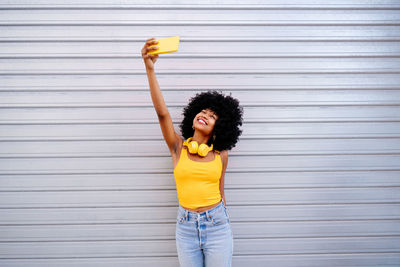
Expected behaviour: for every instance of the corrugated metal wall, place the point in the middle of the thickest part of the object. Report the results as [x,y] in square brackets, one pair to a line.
[86,178]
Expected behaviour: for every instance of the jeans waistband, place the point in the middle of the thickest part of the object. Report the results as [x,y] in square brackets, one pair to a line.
[198,214]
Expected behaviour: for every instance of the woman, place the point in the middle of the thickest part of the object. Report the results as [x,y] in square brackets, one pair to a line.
[211,128]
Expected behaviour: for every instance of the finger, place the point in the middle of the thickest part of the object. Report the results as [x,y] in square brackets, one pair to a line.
[151,42]
[149,49]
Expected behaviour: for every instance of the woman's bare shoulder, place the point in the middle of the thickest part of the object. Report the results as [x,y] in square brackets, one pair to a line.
[224,155]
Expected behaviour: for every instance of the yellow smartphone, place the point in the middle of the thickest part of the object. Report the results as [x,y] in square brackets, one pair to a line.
[166,45]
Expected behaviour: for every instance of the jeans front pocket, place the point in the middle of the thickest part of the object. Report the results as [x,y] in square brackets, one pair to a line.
[220,217]
[227,214]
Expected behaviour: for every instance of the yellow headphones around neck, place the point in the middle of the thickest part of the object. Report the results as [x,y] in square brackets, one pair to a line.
[194,147]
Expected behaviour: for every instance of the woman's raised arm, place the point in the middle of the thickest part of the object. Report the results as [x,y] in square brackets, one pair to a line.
[171,137]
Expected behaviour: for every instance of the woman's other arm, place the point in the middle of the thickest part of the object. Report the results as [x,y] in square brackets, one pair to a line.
[224,158]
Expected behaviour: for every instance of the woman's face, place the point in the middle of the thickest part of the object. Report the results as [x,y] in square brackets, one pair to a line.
[205,121]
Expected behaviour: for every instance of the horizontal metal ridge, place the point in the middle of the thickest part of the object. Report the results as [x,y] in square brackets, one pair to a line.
[200,23]
[360,152]
[133,121]
[244,104]
[107,188]
[208,72]
[245,136]
[204,55]
[171,236]
[168,170]
[319,6]
[205,39]
[188,88]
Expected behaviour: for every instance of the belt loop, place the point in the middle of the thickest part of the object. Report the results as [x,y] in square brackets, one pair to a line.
[186,214]
[208,216]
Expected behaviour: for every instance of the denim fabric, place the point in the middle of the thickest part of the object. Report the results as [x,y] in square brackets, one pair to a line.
[204,239]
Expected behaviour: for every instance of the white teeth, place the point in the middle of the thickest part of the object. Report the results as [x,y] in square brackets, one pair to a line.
[202,121]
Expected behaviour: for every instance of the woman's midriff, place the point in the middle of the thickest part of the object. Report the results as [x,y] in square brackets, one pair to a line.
[201,209]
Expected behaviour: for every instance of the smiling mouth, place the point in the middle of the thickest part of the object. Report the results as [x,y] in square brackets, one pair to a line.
[201,121]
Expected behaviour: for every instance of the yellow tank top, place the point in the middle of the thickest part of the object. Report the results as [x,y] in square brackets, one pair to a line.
[197,183]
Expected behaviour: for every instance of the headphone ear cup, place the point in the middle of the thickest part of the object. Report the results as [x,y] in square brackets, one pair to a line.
[203,150]
[193,147]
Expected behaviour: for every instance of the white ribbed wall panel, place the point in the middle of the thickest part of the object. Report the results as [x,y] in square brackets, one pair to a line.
[86,178]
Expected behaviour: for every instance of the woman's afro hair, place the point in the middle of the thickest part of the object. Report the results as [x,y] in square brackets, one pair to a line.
[229,114]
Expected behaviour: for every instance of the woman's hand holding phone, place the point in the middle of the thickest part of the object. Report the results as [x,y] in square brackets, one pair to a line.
[149,59]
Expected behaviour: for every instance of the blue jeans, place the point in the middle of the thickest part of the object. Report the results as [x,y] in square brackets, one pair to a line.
[204,239]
